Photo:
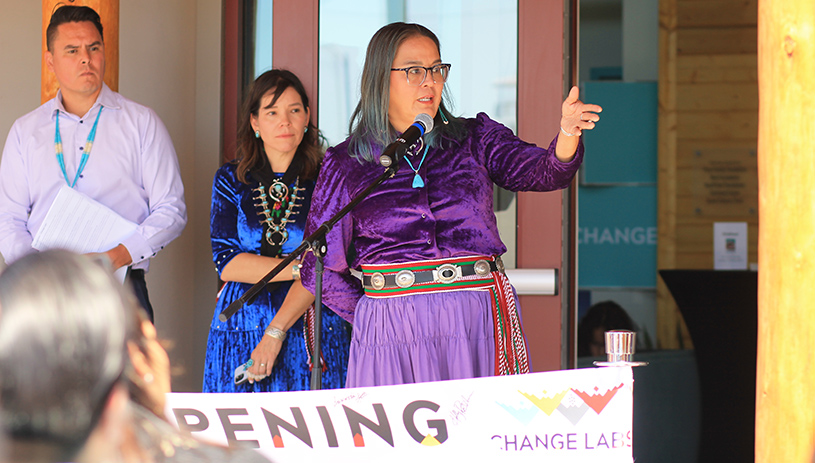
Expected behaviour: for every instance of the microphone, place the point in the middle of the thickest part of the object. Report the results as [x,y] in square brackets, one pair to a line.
[421,125]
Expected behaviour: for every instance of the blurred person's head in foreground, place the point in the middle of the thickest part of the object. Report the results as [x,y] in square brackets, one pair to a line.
[64,327]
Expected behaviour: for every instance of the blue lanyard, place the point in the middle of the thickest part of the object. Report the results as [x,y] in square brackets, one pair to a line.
[85,154]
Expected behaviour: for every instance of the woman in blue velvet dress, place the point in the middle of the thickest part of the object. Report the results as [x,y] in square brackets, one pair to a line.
[259,208]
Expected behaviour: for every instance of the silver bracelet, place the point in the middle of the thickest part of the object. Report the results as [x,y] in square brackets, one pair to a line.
[276,333]
[295,270]
[567,133]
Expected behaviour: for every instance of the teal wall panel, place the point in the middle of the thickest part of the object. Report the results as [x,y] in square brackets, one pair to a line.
[617,236]
[622,148]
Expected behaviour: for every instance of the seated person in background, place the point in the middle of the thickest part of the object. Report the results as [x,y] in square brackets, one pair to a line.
[601,317]
[63,338]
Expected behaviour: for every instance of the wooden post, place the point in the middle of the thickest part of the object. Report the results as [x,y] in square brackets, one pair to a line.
[785,402]
[109,13]
[708,117]
[669,320]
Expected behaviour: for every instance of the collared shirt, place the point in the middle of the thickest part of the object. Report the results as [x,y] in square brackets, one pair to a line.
[451,216]
[132,169]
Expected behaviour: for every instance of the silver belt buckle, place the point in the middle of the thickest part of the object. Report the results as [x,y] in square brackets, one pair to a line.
[447,273]
[482,267]
[378,280]
[405,279]
[499,264]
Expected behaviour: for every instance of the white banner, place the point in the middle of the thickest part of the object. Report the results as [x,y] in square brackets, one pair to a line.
[560,416]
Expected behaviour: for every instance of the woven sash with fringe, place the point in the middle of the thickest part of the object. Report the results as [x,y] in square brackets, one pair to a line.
[308,336]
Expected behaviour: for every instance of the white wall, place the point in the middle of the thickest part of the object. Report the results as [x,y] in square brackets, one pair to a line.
[170,60]
[20,25]
[640,40]
[600,36]
[623,33]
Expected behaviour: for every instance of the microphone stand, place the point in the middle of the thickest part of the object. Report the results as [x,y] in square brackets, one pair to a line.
[317,245]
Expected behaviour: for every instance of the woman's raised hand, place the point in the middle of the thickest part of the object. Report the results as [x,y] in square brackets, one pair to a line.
[577,116]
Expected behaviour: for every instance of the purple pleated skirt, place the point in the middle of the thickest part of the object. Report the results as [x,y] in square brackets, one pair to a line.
[422,337]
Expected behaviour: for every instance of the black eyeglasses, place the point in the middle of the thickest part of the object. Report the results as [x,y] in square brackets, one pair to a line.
[417,74]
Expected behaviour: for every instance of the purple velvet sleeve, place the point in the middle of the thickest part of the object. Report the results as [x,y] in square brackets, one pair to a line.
[341,290]
[516,165]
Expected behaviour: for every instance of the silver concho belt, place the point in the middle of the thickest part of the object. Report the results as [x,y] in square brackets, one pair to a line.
[444,273]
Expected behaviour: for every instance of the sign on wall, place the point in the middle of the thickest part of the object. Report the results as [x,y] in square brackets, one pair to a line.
[617,237]
[623,146]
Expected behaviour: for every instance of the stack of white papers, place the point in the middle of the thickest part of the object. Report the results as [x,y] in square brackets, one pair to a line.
[78,223]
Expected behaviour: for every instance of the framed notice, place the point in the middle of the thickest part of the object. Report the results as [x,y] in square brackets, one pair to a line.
[730,245]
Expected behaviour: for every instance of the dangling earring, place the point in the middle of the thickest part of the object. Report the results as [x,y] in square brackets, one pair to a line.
[443,119]
[306,129]
[257,133]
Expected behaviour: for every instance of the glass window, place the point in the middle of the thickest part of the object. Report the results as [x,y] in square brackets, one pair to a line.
[257,53]
[263,37]
[478,37]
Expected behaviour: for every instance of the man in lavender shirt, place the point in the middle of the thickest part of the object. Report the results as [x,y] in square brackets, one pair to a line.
[99,143]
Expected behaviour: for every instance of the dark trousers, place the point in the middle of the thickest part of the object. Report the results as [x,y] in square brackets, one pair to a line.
[136,279]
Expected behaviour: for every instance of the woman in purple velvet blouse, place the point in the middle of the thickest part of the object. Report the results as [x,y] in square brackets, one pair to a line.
[432,302]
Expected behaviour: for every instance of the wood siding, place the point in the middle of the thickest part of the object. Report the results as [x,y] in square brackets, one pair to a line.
[708,116]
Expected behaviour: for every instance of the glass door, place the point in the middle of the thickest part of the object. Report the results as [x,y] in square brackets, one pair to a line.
[478,37]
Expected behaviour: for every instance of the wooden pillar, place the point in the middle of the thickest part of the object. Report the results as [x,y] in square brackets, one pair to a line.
[785,402]
[109,13]
[669,321]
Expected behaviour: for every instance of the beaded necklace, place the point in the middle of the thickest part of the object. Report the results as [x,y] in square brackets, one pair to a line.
[86,153]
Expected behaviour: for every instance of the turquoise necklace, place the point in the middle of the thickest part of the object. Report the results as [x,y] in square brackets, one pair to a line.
[85,154]
[284,202]
[417,179]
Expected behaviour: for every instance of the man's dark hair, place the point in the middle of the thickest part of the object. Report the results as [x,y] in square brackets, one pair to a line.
[71,14]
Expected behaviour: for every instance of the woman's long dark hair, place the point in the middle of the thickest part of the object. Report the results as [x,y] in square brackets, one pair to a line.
[250,154]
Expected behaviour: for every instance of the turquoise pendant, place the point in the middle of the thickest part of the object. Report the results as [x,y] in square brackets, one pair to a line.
[417,181]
